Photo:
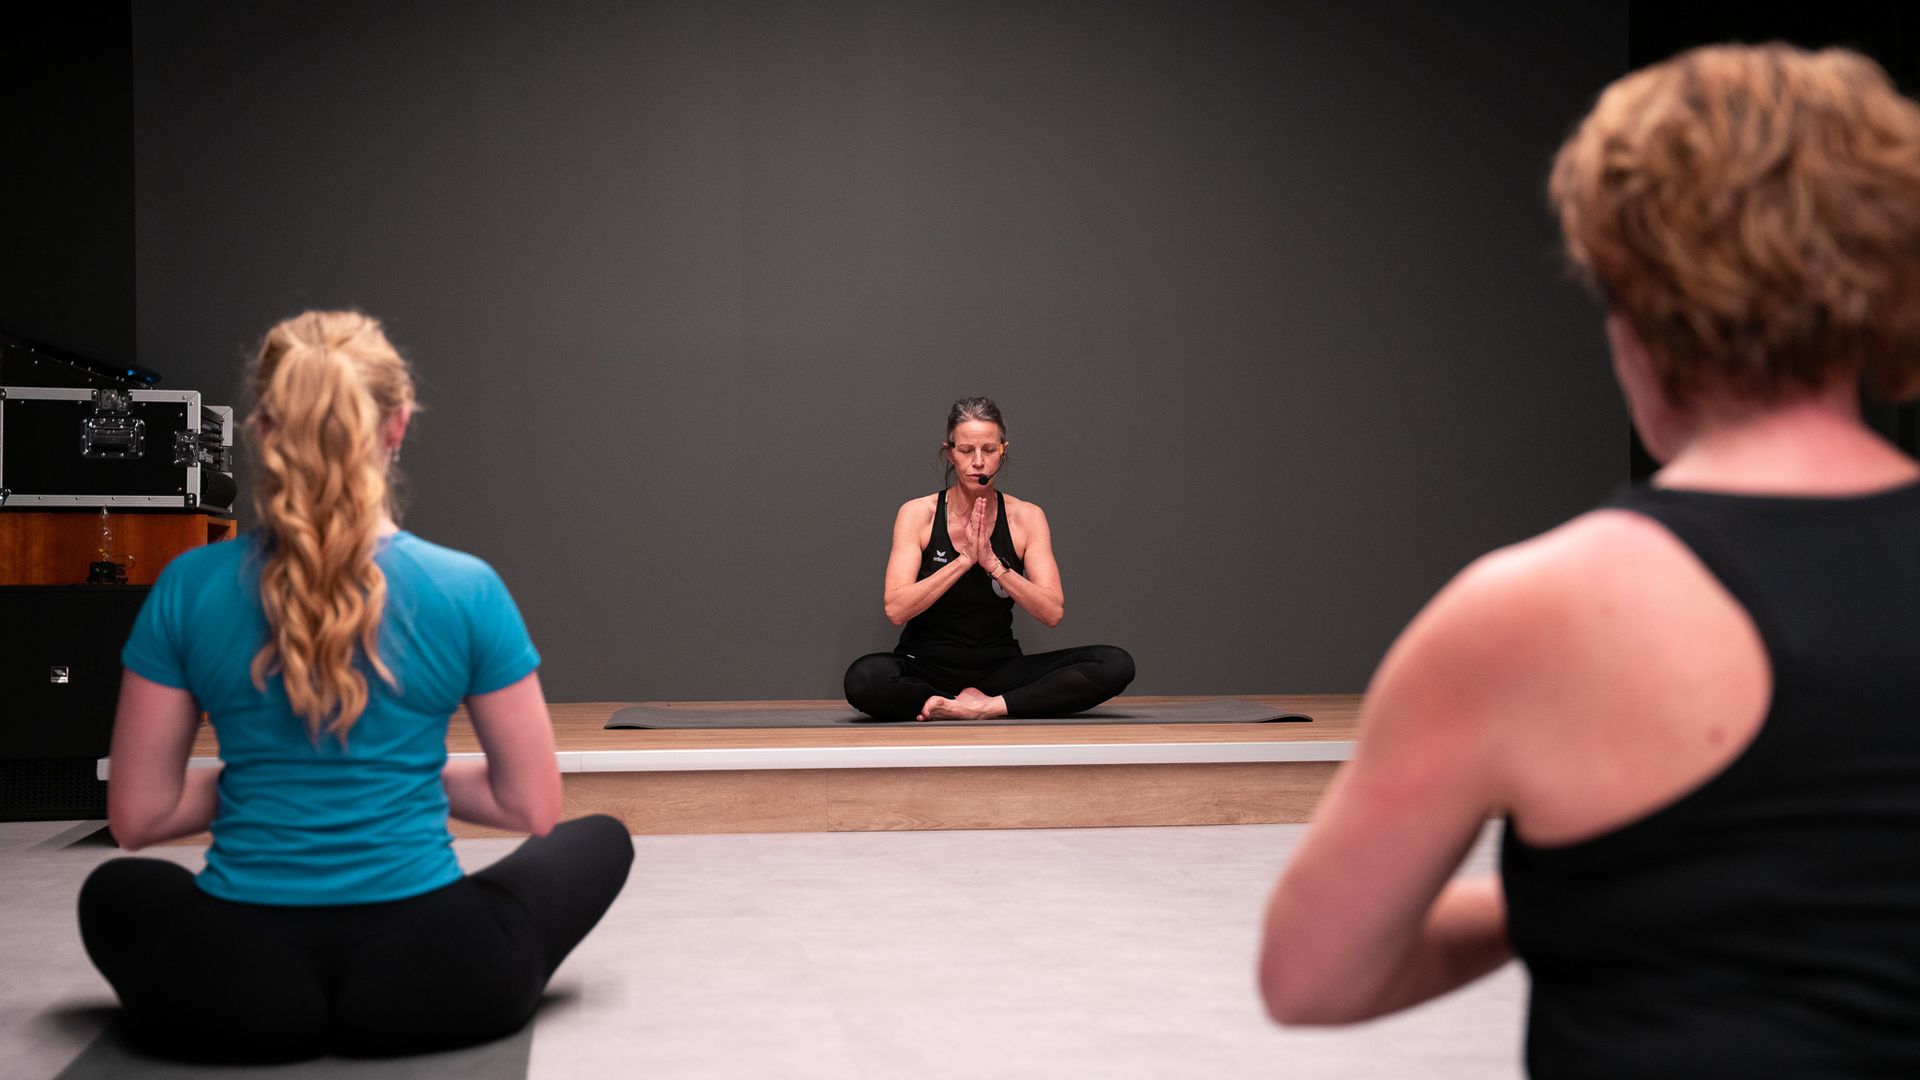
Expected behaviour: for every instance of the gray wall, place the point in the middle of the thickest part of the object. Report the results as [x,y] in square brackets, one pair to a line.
[66,177]
[1267,291]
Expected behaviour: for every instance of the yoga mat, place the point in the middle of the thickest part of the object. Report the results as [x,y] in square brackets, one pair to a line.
[110,1058]
[1208,711]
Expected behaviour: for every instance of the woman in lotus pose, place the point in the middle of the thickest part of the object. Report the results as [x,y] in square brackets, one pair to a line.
[329,649]
[962,558]
[1695,706]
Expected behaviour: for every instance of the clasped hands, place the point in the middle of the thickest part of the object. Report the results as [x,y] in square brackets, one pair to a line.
[976,540]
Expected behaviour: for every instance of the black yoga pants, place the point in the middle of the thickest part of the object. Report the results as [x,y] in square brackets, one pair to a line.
[206,979]
[893,686]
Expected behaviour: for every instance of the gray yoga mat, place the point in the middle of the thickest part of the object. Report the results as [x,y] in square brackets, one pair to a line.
[110,1058]
[1207,711]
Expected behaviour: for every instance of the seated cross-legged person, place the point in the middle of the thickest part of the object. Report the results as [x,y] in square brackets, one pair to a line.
[1695,705]
[962,558]
[329,650]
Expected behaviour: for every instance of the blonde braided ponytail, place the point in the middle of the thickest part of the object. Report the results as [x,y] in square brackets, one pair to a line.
[324,384]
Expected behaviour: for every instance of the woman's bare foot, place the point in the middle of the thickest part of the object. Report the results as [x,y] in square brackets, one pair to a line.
[971,704]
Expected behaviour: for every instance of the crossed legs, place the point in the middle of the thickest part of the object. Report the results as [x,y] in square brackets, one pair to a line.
[886,686]
[207,979]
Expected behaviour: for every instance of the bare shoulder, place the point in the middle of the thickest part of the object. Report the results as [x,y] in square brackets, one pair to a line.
[1602,648]
[1023,513]
[917,510]
[1534,630]
[1534,601]
[1600,542]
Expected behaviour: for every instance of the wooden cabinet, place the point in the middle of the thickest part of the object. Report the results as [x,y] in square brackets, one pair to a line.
[54,547]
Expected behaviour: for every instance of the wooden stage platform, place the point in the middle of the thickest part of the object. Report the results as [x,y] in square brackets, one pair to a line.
[908,777]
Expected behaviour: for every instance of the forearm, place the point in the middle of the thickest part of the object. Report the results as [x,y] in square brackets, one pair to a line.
[903,602]
[472,796]
[1463,938]
[189,813]
[1044,604]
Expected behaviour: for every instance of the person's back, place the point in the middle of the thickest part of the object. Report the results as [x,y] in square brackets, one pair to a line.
[1691,705]
[329,650]
[1763,921]
[331,821]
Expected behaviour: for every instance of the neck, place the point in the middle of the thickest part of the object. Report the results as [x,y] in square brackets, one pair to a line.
[1814,445]
[387,526]
[961,499]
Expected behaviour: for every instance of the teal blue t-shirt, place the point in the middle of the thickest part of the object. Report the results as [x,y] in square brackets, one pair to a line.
[305,821]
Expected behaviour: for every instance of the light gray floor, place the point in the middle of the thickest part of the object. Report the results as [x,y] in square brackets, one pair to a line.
[1116,953]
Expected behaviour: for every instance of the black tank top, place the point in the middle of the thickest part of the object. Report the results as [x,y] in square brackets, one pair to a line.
[1768,922]
[971,624]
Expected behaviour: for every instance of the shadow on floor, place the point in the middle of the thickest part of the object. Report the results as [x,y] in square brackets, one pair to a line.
[84,834]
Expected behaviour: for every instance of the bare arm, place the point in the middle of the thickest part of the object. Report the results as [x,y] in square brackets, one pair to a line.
[151,794]
[517,786]
[1365,920]
[905,597]
[1037,590]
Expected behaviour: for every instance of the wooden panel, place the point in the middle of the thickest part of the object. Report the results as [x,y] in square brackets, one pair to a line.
[1027,797]
[1077,796]
[776,800]
[54,548]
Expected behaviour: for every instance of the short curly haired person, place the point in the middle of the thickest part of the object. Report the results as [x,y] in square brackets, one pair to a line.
[1694,706]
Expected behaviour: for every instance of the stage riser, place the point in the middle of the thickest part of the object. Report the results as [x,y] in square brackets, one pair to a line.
[1024,797]
[861,779]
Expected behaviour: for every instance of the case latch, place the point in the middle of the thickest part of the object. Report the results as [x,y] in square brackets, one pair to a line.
[110,432]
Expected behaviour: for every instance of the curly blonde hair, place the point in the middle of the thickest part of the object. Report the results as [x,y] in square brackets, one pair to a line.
[323,384]
[1754,213]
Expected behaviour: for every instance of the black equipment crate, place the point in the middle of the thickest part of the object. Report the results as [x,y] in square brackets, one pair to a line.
[59,684]
[66,447]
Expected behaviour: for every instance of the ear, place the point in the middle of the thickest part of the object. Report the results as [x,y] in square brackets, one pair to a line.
[394,428]
[1663,426]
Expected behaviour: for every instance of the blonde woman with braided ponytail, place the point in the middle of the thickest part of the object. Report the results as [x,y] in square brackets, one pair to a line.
[334,399]
[329,648]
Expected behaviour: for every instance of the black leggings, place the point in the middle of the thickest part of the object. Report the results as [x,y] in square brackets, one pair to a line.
[889,686]
[206,979]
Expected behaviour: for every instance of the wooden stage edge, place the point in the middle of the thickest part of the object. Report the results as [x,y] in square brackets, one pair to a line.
[986,776]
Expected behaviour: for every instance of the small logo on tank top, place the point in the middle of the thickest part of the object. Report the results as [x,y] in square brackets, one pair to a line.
[939,556]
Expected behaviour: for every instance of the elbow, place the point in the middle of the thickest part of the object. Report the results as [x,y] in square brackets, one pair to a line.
[1053,618]
[540,818]
[542,824]
[537,820]
[1313,971]
[126,824]
[534,811]
[1294,1003]
[1286,1007]
[126,837]
[126,833]
[896,615]
[1306,993]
